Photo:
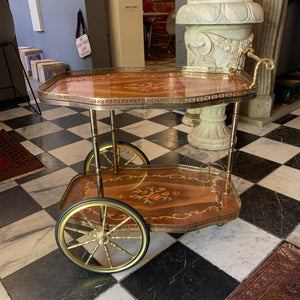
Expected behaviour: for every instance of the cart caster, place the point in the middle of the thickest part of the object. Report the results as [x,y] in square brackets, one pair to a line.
[102,235]
[127,155]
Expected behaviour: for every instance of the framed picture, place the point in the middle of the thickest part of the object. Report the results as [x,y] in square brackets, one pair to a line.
[36,16]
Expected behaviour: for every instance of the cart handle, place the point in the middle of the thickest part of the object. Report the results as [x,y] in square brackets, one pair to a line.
[268,62]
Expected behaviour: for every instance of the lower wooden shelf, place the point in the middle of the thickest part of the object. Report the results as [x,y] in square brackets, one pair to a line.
[170,198]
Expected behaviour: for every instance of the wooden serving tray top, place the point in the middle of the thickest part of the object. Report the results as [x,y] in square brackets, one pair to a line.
[172,199]
[128,88]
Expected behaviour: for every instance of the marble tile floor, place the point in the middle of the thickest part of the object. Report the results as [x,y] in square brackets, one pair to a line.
[204,264]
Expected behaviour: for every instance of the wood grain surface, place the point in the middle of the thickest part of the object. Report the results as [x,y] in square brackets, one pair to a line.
[173,200]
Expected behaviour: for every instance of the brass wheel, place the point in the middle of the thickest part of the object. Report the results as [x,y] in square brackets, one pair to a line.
[127,155]
[102,235]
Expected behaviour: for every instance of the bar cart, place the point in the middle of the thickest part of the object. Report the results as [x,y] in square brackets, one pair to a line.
[108,210]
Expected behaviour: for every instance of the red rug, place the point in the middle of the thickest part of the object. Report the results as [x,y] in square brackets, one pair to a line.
[277,279]
[15,160]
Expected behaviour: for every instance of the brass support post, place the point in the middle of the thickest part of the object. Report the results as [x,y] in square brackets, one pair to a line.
[114,139]
[94,129]
[232,145]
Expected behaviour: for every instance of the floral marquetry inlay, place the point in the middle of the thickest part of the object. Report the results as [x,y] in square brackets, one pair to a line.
[152,195]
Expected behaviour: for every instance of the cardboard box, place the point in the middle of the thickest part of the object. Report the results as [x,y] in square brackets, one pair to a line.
[49,69]
[28,55]
[34,69]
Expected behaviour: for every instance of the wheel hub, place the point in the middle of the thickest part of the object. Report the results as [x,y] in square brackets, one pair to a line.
[102,238]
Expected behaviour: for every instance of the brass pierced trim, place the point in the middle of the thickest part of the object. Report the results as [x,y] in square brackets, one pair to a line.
[145,102]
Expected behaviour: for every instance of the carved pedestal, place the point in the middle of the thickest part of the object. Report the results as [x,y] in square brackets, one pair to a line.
[216,31]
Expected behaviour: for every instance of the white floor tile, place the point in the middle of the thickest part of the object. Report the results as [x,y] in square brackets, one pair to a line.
[236,248]
[14,113]
[3,293]
[271,150]
[48,189]
[159,241]
[37,130]
[183,128]
[296,112]
[147,113]
[84,130]
[201,155]
[284,180]
[4,126]
[32,148]
[115,293]
[7,185]
[240,184]
[261,131]
[101,113]
[57,113]
[73,153]
[144,128]
[150,149]
[294,237]
[295,123]
[25,241]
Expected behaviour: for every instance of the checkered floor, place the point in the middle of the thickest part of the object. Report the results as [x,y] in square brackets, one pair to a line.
[205,264]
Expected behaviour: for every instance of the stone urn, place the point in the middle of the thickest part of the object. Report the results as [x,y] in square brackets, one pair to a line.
[216,31]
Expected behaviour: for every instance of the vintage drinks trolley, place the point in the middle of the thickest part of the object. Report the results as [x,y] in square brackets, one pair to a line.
[108,211]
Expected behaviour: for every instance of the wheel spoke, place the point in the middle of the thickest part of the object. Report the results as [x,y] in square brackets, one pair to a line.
[92,253]
[104,218]
[130,160]
[107,158]
[119,225]
[121,249]
[129,237]
[80,231]
[89,222]
[81,244]
[118,155]
[108,256]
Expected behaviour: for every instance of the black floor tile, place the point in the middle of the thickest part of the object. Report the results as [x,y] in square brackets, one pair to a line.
[54,277]
[174,158]
[169,119]
[169,138]
[51,163]
[244,138]
[16,204]
[179,273]
[71,121]
[123,120]
[18,137]
[24,121]
[294,162]
[43,106]
[53,211]
[285,134]
[250,167]
[285,119]
[78,167]
[55,140]
[270,211]
[121,135]
[79,109]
